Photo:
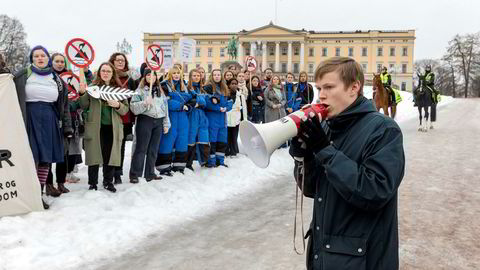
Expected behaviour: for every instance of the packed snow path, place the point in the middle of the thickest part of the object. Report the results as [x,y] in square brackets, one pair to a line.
[439,213]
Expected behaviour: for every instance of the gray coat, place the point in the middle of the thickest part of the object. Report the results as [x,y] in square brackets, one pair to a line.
[271,99]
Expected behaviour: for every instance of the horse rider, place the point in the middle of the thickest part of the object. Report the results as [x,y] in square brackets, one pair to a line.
[429,80]
[387,84]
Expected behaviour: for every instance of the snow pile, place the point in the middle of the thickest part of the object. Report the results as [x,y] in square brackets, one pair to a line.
[83,226]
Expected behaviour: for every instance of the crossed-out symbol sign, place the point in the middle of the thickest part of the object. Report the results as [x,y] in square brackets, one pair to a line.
[251,63]
[73,83]
[154,58]
[79,52]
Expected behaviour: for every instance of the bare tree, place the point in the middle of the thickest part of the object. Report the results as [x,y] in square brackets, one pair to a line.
[450,66]
[465,51]
[13,45]
[124,47]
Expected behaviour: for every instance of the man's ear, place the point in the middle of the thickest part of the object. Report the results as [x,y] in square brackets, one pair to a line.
[355,88]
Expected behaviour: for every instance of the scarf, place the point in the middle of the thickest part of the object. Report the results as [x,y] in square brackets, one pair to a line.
[60,72]
[41,71]
[302,86]
[278,92]
[176,85]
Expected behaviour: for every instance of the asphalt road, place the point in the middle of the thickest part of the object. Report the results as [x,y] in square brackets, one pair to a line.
[439,212]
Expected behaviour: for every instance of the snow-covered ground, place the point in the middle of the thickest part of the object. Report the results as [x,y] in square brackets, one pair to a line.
[84,226]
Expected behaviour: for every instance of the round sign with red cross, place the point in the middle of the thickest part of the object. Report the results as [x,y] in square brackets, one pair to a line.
[79,52]
[73,83]
[154,58]
[251,63]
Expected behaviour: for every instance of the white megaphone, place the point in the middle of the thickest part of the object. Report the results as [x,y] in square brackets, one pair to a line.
[261,140]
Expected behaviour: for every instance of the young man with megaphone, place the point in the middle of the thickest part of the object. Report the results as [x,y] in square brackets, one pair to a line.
[351,165]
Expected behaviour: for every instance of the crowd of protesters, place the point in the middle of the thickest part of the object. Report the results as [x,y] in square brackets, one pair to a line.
[174,118]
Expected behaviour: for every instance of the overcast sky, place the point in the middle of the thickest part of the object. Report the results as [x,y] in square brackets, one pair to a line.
[53,23]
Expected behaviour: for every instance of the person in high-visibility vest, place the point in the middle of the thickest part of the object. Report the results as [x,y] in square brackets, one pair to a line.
[387,83]
[430,84]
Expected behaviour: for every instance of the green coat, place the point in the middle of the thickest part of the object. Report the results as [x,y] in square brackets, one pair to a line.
[91,139]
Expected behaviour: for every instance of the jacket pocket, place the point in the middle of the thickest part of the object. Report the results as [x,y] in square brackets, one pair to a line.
[342,252]
[90,129]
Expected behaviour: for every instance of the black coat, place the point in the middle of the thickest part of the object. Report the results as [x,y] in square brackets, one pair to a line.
[61,104]
[307,96]
[354,184]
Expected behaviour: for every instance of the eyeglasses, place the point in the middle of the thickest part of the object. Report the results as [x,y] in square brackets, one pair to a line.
[106,71]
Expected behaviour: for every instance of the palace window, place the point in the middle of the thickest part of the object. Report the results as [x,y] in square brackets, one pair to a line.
[324,51]
[197,54]
[210,51]
[350,52]
[392,51]
[337,51]
[404,68]
[295,68]
[222,52]
[310,68]
[405,51]
[380,51]
[364,51]
[284,50]
[271,50]
[404,86]
[296,51]
[284,67]
[311,52]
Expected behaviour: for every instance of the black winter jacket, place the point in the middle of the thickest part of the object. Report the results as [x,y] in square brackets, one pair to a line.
[354,183]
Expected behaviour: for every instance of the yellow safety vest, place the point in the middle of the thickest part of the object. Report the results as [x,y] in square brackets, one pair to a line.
[384,78]
[398,97]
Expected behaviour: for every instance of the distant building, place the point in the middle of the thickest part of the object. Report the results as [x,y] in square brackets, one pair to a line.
[286,50]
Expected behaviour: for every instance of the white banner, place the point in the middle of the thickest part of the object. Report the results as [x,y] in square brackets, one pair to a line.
[19,186]
[167,54]
[186,49]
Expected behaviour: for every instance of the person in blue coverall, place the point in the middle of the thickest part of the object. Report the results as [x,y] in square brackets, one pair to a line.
[293,101]
[176,140]
[198,121]
[217,107]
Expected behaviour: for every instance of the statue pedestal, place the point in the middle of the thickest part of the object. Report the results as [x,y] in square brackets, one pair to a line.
[225,65]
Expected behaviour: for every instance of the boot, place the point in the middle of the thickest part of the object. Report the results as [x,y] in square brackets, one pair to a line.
[118,179]
[50,190]
[45,205]
[62,188]
[110,187]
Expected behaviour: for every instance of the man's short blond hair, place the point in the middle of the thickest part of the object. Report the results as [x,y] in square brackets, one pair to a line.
[347,68]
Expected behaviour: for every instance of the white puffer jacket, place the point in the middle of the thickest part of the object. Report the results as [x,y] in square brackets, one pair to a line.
[239,107]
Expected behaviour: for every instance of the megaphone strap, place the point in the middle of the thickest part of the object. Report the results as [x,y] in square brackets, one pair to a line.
[300,172]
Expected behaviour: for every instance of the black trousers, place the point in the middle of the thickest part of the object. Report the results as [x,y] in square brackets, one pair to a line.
[433,112]
[106,142]
[62,169]
[232,141]
[148,133]
[127,130]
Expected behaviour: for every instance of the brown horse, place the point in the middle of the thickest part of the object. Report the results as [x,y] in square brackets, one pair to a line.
[381,97]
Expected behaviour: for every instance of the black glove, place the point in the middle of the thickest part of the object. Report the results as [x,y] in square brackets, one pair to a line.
[311,132]
[298,149]
[216,99]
